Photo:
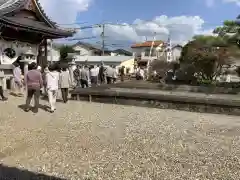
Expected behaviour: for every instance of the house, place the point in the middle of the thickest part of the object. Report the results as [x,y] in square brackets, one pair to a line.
[87,49]
[25,27]
[118,61]
[143,49]
[53,53]
[176,52]
[121,52]
[160,50]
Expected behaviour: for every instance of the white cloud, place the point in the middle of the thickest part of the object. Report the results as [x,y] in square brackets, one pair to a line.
[180,29]
[210,3]
[64,11]
[237,2]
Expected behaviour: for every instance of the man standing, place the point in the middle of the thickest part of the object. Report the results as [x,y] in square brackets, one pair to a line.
[122,73]
[84,75]
[115,74]
[109,74]
[34,83]
[52,79]
[76,75]
[94,75]
[64,82]
[101,74]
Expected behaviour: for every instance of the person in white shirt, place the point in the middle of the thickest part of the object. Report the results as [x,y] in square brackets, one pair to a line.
[52,81]
[115,74]
[94,75]
[109,74]
[142,73]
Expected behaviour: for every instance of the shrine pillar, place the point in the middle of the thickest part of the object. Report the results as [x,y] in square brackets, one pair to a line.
[42,54]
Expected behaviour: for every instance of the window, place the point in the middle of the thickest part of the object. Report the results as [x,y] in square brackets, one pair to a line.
[78,52]
[147,51]
[9,52]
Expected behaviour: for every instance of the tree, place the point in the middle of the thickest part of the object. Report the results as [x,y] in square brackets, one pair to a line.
[229,31]
[64,50]
[229,27]
[207,55]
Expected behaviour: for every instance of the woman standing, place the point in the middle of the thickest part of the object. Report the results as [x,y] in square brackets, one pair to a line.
[52,80]
[17,74]
[64,82]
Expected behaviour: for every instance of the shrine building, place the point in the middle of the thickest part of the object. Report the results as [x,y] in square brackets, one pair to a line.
[24,33]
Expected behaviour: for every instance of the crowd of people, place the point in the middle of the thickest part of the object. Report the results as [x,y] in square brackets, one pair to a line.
[86,76]
[49,80]
[45,82]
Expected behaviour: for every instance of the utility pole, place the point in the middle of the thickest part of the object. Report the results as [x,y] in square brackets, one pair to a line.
[103,38]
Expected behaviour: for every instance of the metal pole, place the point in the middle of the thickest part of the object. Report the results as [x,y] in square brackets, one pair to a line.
[103,40]
[154,37]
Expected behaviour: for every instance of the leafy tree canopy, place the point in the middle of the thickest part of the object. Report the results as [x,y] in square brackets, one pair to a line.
[208,55]
[64,50]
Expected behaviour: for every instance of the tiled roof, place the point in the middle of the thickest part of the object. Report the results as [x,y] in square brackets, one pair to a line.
[35,25]
[123,51]
[9,6]
[147,44]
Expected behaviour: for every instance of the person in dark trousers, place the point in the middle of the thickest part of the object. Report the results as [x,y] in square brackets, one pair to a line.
[2,95]
[109,74]
[64,82]
[34,83]
[101,74]
[1,86]
[85,77]
[76,76]
[122,73]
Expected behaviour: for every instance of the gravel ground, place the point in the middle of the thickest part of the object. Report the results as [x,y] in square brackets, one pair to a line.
[94,141]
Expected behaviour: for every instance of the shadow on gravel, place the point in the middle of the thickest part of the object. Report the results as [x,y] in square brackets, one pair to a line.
[12,173]
[45,98]
[43,107]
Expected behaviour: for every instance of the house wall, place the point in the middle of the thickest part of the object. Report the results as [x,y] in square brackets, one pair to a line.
[108,63]
[176,53]
[128,64]
[144,52]
[53,54]
[82,51]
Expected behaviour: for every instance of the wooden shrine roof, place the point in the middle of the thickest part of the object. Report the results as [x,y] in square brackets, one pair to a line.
[9,17]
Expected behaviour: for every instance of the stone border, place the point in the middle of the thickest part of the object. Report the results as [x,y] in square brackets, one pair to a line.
[166,101]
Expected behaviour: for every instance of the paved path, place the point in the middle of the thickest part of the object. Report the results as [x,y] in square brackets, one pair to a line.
[102,141]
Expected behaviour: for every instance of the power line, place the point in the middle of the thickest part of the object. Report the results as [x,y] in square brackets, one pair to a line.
[79,39]
[140,22]
[78,23]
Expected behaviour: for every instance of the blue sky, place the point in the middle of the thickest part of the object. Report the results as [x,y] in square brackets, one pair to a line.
[180,19]
[129,10]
